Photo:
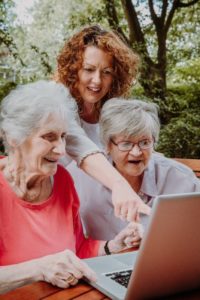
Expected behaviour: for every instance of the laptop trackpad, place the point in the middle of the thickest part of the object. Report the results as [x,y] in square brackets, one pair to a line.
[112,263]
[127,258]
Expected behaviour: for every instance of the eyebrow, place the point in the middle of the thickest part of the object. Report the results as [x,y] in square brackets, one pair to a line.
[91,65]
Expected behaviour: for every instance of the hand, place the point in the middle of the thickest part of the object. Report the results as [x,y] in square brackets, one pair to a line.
[64,269]
[130,236]
[127,204]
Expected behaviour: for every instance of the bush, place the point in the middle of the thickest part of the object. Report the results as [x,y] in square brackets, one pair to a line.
[180,121]
[6,88]
[180,136]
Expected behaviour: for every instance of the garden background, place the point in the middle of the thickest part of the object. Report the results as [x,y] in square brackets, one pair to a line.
[166,34]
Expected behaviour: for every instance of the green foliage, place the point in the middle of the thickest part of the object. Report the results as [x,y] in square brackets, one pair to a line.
[180,136]
[6,88]
[186,73]
[184,37]
[30,50]
[180,120]
[86,13]
[4,91]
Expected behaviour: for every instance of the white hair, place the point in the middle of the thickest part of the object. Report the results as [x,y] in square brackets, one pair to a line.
[26,107]
[128,118]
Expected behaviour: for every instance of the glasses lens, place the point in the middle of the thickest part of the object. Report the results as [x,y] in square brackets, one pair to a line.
[125,146]
[145,144]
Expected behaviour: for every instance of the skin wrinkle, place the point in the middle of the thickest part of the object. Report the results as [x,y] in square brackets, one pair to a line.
[34,170]
[121,159]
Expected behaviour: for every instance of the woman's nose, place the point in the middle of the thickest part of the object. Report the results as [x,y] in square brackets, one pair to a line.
[60,147]
[96,78]
[136,151]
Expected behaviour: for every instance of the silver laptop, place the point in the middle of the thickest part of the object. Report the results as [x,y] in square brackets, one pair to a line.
[168,260]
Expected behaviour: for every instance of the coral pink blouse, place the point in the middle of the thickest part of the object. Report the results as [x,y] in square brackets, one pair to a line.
[29,231]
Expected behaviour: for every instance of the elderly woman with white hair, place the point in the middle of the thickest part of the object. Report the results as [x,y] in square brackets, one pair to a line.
[41,236]
[129,130]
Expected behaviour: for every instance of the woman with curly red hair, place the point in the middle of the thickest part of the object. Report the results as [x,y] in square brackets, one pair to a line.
[76,53]
[96,65]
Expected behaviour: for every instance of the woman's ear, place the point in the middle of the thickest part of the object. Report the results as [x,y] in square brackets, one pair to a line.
[108,148]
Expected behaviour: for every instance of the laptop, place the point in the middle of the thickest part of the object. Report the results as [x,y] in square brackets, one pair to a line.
[168,260]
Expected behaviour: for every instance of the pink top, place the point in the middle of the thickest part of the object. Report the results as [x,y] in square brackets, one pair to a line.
[29,231]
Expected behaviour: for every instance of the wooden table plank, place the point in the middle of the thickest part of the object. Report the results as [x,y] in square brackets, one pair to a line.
[34,291]
[70,293]
[91,295]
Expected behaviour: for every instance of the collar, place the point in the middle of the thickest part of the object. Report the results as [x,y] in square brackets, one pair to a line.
[149,186]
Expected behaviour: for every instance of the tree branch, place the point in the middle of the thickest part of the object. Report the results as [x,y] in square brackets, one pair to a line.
[154,17]
[164,11]
[175,5]
[181,4]
[136,34]
[113,19]
[158,21]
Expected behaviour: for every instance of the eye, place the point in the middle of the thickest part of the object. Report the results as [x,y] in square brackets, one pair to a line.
[125,145]
[49,137]
[145,143]
[108,72]
[89,70]
[63,135]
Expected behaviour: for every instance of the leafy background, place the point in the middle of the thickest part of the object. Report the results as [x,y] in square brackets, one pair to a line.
[169,76]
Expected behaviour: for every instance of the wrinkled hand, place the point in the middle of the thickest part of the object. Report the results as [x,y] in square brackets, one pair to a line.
[130,236]
[127,204]
[64,269]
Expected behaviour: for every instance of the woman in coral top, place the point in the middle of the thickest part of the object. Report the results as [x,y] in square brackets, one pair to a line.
[41,236]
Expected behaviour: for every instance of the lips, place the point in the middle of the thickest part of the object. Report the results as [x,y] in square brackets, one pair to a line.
[51,160]
[135,162]
[94,89]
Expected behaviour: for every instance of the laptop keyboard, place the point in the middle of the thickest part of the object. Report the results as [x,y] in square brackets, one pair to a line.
[121,277]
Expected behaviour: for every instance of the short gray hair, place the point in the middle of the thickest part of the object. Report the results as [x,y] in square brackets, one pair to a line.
[23,110]
[129,118]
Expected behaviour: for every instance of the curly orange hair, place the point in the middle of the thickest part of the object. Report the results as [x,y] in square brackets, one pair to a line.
[70,60]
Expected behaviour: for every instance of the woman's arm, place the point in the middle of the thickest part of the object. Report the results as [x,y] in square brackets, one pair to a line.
[13,276]
[126,202]
[78,144]
[93,162]
[55,269]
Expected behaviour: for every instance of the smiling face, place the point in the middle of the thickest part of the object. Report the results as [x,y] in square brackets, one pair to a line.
[130,163]
[41,151]
[96,75]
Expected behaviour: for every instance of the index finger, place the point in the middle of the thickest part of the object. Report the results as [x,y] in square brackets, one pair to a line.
[117,210]
[144,209]
[83,268]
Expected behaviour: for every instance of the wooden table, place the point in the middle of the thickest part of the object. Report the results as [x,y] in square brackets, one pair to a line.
[82,291]
[43,290]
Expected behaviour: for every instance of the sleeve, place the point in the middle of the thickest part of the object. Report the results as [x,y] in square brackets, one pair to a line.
[180,179]
[85,247]
[197,185]
[78,144]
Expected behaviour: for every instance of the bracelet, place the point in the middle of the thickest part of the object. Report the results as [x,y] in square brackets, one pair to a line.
[106,249]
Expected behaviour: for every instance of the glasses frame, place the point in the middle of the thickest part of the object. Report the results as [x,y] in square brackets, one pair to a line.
[133,145]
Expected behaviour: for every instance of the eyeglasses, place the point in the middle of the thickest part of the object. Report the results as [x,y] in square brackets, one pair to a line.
[128,146]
